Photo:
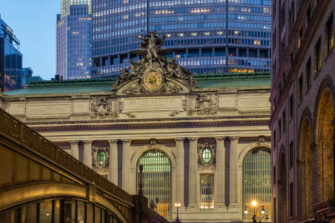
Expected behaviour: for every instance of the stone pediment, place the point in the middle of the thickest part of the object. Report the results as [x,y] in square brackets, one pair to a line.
[154,73]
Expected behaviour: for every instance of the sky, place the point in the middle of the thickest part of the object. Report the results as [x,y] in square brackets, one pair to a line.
[34,23]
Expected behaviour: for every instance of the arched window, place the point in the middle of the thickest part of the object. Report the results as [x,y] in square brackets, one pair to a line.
[325,148]
[156,180]
[257,184]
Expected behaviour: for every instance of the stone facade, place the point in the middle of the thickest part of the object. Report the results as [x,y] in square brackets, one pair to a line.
[124,125]
[302,121]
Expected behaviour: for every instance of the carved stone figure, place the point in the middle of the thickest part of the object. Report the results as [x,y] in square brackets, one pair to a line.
[101,107]
[152,70]
[207,104]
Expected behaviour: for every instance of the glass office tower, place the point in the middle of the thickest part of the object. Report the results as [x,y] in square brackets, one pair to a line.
[208,36]
[74,40]
[10,59]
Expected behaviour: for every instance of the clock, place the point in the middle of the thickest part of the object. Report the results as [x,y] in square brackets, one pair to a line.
[152,80]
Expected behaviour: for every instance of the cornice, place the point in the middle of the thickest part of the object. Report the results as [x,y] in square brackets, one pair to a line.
[123,126]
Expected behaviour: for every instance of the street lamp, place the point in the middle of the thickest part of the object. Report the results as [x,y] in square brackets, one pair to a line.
[177,205]
[254,205]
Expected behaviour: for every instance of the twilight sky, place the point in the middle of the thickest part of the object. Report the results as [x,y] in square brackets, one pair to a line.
[34,23]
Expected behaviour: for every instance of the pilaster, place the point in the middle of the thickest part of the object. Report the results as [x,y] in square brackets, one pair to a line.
[125,164]
[233,198]
[180,170]
[74,149]
[88,153]
[220,171]
[193,158]
[113,162]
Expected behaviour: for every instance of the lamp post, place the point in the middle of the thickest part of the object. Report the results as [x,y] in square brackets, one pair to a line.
[177,205]
[254,205]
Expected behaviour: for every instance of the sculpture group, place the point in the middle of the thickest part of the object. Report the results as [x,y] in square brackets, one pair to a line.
[152,57]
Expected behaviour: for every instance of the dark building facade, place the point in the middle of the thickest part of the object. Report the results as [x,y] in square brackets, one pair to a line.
[10,59]
[74,40]
[212,36]
[302,120]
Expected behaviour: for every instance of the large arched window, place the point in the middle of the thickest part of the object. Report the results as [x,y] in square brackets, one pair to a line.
[325,148]
[156,180]
[257,184]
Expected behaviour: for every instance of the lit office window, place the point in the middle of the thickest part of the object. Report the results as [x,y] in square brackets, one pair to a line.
[206,190]
[156,180]
[257,183]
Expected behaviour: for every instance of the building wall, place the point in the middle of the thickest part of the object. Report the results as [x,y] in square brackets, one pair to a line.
[302,101]
[235,120]
[196,30]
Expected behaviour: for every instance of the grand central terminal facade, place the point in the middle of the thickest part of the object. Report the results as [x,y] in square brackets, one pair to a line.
[203,140]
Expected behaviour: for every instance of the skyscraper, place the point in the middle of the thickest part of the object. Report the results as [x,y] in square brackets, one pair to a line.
[74,39]
[10,58]
[208,36]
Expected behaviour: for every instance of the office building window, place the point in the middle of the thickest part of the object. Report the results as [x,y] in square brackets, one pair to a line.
[291,200]
[308,75]
[291,155]
[330,34]
[206,190]
[291,107]
[317,58]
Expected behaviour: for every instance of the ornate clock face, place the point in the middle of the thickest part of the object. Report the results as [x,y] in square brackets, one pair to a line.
[152,80]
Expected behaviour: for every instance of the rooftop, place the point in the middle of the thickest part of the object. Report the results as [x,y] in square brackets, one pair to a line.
[211,81]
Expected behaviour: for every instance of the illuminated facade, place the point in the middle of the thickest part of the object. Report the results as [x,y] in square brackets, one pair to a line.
[197,30]
[192,135]
[74,40]
[10,59]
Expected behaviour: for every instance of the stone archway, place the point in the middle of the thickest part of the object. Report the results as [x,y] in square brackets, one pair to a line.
[325,147]
[305,171]
[282,189]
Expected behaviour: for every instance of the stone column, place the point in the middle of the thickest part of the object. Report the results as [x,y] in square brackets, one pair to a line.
[193,172]
[88,153]
[233,170]
[220,171]
[113,163]
[125,164]
[180,170]
[74,149]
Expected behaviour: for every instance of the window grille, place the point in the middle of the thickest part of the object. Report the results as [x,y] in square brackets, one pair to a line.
[156,181]
[206,190]
[257,183]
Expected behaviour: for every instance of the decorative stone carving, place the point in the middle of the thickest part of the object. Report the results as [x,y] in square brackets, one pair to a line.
[206,154]
[155,72]
[206,104]
[101,107]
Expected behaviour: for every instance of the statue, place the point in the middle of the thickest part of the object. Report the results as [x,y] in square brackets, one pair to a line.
[153,60]
[151,48]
